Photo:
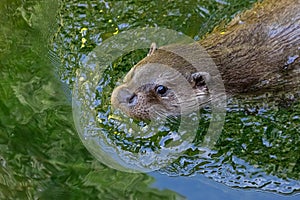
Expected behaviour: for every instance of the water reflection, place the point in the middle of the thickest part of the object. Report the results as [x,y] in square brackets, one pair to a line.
[41,154]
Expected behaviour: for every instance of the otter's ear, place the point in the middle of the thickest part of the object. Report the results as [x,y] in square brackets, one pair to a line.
[199,80]
[153,48]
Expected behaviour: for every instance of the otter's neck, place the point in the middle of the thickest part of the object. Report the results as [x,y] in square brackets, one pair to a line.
[259,48]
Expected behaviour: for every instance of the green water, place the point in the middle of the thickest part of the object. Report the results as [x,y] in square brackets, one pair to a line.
[42,157]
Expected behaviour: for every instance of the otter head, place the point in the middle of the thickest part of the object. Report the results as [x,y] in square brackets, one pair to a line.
[162,84]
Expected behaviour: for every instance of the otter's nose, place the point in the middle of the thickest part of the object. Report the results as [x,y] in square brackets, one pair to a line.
[125,96]
[122,95]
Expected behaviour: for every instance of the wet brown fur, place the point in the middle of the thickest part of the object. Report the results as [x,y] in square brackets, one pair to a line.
[256,47]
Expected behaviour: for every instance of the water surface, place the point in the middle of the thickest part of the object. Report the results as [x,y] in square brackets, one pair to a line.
[42,45]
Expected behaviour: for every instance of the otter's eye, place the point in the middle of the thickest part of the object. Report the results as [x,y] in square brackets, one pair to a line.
[161,90]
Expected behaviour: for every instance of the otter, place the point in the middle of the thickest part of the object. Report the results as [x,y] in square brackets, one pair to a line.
[258,51]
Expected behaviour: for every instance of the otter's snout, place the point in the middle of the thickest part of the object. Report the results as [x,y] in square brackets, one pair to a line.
[121,95]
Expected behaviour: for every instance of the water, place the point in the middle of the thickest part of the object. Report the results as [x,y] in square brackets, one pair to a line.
[41,43]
